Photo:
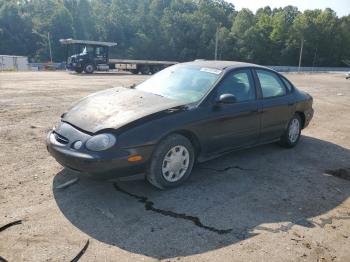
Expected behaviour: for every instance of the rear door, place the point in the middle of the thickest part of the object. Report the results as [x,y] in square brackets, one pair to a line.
[274,103]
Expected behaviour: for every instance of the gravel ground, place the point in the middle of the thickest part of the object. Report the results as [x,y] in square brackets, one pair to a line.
[260,204]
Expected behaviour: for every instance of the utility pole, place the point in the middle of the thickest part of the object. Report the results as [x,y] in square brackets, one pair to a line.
[216,43]
[314,61]
[48,37]
[301,52]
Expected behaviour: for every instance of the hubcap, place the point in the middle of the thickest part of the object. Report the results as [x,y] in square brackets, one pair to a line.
[175,163]
[294,130]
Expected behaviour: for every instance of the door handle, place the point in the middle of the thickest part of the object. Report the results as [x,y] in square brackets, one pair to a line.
[291,104]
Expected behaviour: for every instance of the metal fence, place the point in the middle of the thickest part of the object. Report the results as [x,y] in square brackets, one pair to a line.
[62,66]
[309,69]
[47,66]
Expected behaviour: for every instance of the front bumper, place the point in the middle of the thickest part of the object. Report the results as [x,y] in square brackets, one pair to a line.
[112,163]
[73,66]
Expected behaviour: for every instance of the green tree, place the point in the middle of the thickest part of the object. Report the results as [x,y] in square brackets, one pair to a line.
[318,29]
[178,30]
[16,35]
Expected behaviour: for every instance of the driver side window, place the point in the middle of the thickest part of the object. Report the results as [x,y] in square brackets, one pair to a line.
[238,83]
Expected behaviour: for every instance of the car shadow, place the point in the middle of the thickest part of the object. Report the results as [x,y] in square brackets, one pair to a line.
[261,190]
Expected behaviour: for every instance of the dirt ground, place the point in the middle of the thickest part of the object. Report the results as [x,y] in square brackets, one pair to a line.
[260,204]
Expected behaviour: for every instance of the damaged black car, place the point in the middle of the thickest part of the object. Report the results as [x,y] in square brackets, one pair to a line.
[187,113]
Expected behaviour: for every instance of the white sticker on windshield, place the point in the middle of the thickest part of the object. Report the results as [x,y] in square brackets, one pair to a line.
[211,70]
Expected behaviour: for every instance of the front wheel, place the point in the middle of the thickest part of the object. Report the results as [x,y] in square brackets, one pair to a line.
[292,134]
[89,68]
[171,163]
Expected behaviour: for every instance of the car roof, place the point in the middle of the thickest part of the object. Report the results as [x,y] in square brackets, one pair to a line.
[221,65]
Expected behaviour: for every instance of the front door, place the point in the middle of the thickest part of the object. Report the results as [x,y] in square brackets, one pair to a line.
[100,55]
[234,125]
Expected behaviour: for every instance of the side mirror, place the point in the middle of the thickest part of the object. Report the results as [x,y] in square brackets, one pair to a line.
[226,99]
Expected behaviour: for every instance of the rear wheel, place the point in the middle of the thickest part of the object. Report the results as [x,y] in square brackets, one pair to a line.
[155,69]
[145,70]
[89,68]
[171,163]
[292,134]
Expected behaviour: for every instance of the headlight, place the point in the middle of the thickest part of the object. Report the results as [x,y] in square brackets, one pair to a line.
[101,142]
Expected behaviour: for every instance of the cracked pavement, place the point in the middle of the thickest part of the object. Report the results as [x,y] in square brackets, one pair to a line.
[265,203]
[149,205]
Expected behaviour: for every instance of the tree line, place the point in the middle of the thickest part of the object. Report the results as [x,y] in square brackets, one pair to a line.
[179,30]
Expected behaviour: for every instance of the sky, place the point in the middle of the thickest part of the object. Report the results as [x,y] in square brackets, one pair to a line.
[341,7]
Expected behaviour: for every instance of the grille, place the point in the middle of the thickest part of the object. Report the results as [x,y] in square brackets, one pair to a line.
[61,139]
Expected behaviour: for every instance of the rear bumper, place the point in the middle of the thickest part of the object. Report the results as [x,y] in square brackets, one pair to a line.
[109,164]
[308,116]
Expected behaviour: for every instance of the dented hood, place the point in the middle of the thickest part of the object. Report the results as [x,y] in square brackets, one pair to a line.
[115,107]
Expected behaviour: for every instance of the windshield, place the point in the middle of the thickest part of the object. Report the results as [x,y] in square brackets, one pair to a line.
[86,49]
[181,82]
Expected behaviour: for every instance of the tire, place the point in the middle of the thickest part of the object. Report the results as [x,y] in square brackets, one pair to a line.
[79,70]
[175,148]
[155,69]
[145,70]
[291,135]
[89,68]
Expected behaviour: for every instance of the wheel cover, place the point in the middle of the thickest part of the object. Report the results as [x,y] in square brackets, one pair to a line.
[294,130]
[175,163]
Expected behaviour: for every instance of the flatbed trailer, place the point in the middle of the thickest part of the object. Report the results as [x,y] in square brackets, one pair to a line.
[91,56]
[139,66]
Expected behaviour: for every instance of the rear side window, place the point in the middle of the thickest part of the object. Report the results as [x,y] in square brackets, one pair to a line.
[271,84]
[287,84]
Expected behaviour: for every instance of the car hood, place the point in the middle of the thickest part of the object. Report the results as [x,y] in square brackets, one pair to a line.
[115,107]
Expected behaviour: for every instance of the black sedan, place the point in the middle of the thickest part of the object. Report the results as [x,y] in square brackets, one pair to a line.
[187,113]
